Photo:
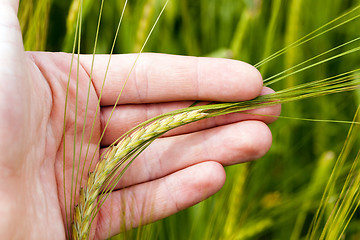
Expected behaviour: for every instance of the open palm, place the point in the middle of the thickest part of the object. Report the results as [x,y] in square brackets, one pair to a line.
[177,171]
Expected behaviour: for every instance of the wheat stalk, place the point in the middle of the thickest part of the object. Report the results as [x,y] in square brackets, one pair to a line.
[106,167]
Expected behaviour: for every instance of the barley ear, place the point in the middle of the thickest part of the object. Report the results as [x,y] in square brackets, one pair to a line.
[114,158]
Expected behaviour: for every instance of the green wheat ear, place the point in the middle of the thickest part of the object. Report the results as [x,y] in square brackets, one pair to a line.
[114,158]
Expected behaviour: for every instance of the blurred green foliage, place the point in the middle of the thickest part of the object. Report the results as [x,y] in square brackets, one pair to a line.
[277,196]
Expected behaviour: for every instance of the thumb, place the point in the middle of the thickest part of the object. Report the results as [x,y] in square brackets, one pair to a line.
[14,88]
[10,32]
[14,4]
[12,55]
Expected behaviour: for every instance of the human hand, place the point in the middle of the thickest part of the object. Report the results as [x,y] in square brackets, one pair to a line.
[178,170]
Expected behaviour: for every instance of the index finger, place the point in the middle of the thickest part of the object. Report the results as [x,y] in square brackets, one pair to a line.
[164,78]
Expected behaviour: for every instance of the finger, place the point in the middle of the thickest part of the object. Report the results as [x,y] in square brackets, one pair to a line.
[163,78]
[151,201]
[228,145]
[14,4]
[126,117]
[10,35]
[16,112]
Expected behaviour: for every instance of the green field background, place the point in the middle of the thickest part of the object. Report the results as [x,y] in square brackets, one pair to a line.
[275,197]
